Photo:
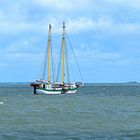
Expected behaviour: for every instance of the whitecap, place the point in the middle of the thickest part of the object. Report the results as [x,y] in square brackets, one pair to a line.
[1,103]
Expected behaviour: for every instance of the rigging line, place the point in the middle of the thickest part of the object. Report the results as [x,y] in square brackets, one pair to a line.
[40,70]
[71,67]
[74,56]
[44,64]
[59,64]
[57,57]
[55,62]
[52,65]
[67,64]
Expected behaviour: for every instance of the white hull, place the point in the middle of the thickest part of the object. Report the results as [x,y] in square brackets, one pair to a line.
[42,91]
[71,91]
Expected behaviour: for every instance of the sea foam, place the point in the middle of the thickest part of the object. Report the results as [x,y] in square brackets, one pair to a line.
[1,103]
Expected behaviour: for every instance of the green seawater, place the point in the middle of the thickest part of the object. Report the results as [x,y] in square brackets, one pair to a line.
[98,111]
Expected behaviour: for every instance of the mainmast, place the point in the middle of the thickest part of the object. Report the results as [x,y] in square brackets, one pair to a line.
[48,53]
[63,52]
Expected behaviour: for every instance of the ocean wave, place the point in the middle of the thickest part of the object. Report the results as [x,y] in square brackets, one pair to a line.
[1,103]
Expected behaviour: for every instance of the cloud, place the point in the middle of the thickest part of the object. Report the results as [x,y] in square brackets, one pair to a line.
[125,3]
[13,27]
[93,6]
[87,21]
[64,5]
[24,48]
[23,51]
[91,56]
[104,25]
[78,25]
[15,18]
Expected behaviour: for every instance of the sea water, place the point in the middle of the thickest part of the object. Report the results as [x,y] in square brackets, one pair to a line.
[98,111]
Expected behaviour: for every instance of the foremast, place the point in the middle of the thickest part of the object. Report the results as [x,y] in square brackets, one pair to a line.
[48,58]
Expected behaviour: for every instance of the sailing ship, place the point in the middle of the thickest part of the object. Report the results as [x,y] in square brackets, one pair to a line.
[49,86]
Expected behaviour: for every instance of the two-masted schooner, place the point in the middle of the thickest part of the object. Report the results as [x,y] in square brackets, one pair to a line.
[43,86]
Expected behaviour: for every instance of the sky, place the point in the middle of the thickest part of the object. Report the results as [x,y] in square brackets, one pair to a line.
[105,35]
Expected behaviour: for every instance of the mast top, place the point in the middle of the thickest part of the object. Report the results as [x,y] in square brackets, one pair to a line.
[50,26]
[64,24]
